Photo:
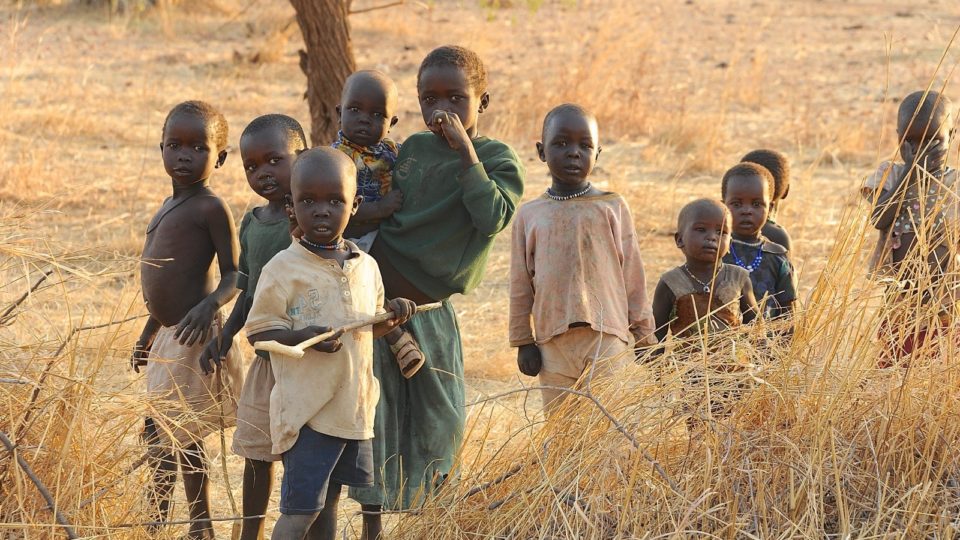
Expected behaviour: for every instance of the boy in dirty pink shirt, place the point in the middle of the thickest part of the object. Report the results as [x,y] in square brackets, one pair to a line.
[577,286]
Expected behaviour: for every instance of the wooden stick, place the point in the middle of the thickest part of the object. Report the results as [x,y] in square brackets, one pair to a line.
[297,351]
[40,487]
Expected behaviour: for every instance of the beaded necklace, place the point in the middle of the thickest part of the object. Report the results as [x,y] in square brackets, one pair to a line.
[706,286]
[753,264]
[326,247]
[580,193]
[754,245]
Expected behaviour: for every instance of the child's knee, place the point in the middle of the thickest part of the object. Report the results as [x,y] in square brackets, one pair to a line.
[292,526]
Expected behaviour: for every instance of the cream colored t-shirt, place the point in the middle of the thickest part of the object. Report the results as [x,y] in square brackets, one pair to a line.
[336,393]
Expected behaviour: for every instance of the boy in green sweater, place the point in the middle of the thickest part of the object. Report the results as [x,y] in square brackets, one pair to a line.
[460,190]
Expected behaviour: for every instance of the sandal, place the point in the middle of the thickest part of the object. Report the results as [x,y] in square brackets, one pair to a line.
[408,354]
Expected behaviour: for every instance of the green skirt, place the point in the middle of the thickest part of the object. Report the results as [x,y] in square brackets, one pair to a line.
[420,421]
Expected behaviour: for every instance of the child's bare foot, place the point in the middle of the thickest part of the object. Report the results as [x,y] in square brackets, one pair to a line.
[406,350]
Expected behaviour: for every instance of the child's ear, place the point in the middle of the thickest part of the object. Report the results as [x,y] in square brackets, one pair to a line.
[484,102]
[543,157]
[221,157]
[393,121]
[678,239]
[338,111]
[161,147]
[599,149]
[356,204]
[785,193]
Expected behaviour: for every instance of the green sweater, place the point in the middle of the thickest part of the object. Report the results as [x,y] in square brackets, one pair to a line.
[440,239]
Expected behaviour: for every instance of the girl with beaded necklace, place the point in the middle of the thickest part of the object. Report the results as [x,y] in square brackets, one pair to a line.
[577,288]
[746,190]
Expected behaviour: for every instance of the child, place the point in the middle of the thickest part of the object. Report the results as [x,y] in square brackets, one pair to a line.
[268,147]
[322,405]
[366,111]
[912,199]
[704,294]
[779,167]
[192,227]
[747,189]
[575,266]
[460,190]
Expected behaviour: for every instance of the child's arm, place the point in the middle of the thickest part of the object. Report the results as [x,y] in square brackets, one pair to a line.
[295,337]
[490,193]
[142,348]
[639,315]
[749,309]
[216,351]
[379,210]
[402,310]
[529,360]
[786,288]
[195,325]
[663,301]
[886,206]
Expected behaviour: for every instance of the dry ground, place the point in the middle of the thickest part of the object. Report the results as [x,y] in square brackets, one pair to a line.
[682,90]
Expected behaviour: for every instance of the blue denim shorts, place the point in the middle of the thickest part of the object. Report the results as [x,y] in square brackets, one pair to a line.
[314,462]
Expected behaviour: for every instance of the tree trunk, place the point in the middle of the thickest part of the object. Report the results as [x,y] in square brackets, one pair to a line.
[327,62]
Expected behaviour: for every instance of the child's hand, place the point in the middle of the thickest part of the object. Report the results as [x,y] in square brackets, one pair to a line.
[215,353]
[139,357]
[449,125]
[195,326]
[329,345]
[402,310]
[390,203]
[529,360]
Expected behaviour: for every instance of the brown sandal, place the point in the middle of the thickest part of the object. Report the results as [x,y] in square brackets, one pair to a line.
[408,354]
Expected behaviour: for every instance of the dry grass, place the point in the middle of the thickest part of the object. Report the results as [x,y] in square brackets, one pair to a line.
[819,442]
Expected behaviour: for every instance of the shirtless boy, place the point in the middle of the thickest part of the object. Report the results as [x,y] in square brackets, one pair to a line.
[177,278]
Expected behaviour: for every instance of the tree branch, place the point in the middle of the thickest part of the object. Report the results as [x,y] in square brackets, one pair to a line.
[375,8]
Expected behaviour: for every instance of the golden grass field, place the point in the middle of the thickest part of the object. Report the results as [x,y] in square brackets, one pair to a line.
[820,445]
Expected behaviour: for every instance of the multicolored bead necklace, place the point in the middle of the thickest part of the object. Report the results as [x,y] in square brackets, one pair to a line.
[753,264]
[580,193]
[326,247]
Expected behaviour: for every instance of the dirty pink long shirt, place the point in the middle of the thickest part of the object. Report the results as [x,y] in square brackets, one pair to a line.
[576,261]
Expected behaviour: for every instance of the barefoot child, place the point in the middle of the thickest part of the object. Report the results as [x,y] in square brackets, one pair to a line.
[747,189]
[367,107]
[704,294]
[322,405]
[575,266]
[913,200]
[779,168]
[192,227]
[268,147]
[460,190]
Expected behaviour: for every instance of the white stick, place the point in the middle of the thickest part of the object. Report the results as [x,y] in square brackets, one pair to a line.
[297,351]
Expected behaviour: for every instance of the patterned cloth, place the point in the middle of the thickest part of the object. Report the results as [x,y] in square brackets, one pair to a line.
[374,165]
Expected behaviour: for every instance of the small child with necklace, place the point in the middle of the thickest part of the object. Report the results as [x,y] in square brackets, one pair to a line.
[704,294]
[577,287]
[746,190]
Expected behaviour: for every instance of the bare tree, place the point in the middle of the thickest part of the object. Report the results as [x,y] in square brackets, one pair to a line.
[327,61]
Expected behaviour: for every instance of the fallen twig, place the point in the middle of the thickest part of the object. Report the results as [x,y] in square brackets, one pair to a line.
[8,314]
[40,487]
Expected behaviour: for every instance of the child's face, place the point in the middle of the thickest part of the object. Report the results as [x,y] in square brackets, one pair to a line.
[570,148]
[926,141]
[267,156]
[447,88]
[324,199]
[705,237]
[748,198]
[189,149]
[367,112]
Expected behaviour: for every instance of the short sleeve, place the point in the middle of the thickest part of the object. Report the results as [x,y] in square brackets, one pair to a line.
[883,179]
[270,306]
[786,283]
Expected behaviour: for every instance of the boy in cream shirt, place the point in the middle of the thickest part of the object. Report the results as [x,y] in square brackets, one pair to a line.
[322,405]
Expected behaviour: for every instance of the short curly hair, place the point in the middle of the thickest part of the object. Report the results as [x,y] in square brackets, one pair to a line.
[746,169]
[693,208]
[279,122]
[777,164]
[206,112]
[461,58]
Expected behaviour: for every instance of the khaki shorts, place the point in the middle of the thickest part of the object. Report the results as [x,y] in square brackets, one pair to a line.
[252,437]
[567,356]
